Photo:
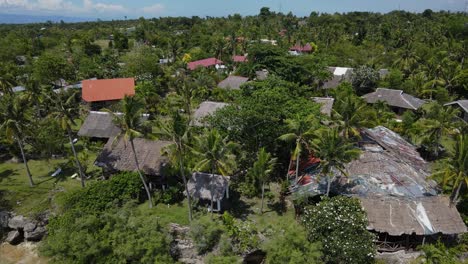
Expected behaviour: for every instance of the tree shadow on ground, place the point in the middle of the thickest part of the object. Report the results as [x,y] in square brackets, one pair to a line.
[6,174]
[238,207]
[278,206]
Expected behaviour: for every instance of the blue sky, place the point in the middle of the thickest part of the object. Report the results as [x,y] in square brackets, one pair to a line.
[147,8]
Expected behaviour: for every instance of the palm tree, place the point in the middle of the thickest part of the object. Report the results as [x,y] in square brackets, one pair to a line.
[301,129]
[333,151]
[455,170]
[64,110]
[262,169]
[177,130]
[348,112]
[130,124]
[214,154]
[16,115]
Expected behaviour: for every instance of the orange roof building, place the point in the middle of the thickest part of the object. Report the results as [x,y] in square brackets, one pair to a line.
[107,89]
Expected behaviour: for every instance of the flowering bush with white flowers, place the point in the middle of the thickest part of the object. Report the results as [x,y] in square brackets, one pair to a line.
[340,224]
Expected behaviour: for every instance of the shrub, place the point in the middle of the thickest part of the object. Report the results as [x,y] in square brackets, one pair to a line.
[290,245]
[99,196]
[242,233]
[120,235]
[205,233]
[213,259]
[340,224]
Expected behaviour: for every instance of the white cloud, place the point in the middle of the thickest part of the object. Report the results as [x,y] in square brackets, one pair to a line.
[102,8]
[154,9]
[14,3]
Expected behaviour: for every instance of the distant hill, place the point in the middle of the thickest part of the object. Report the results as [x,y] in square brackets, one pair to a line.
[25,19]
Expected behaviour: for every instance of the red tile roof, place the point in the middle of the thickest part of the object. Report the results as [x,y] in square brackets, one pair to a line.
[238,58]
[306,48]
[107,89]
[203,63]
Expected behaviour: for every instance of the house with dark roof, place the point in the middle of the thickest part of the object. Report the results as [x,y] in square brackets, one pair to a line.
[396,99]
[204,110]
[463,104]
[391,181]
[117,156]
[205,186]
[205,63]
[326,104]
[101,92]
[338,75]
[232,82]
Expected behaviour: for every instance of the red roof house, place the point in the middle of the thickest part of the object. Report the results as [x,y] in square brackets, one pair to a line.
[299,48]
[204,63]
[107,89]
[239,58]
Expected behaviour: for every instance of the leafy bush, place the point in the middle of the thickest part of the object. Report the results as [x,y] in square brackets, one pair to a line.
[213,259]
[243,234]
[120,235]
[290,245]
[205,233]
[102,195]
[171,195]
[340,224]
[438,253]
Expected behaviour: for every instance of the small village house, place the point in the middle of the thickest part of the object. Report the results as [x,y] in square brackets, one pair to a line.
[300,49]
[205,110]
[206,63]
[232,82]
[326,104]
[206,186]
[397,100]
[117,156]
[102,93]
[463,104]
[239,58]
[339,75]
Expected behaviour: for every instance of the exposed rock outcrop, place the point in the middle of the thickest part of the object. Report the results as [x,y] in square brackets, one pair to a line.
[14,237]
[182,247]
[21,228]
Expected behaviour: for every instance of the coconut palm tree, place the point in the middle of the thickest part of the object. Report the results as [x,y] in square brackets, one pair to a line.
[214,154]
[262,169]
[177,131]
[15,116]
[301,129]
[333,151]
[348,112]
[131,126]
[65,109]
[455,169]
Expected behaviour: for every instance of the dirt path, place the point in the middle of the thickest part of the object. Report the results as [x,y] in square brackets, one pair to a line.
[24,253]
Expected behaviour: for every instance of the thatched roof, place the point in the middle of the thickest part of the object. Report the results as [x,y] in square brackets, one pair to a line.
[232,82]
[205,109]
[423,216]
[118,156]
[200,185]
[326,104]
[262,75]
[395,98]
[99,125]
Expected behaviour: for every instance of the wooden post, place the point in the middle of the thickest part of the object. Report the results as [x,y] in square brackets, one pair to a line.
[218,205]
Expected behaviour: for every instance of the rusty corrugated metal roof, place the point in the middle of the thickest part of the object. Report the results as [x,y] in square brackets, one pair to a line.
[107,89]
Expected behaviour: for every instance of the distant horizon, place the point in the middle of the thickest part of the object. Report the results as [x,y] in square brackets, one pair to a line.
[91,10]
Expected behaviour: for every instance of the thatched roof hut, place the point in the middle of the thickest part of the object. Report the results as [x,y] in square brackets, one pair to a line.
[117,155]
[201,184]
[99,125]
[232,82]
[394,98]
[326,104]
[205,109]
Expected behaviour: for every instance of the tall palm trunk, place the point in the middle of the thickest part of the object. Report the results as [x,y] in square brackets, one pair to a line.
[20,144]
[141,175]
[78,164]
[182,172]
[456,194]
[289,167]
[212,190]
[263,195]
[298,158]
[329,181]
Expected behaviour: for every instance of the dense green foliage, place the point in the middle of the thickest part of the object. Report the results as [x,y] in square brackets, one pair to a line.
[339,223]
[205,234]
[290,245]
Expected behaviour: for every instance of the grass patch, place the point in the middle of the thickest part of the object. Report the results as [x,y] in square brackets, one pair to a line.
[173,213]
